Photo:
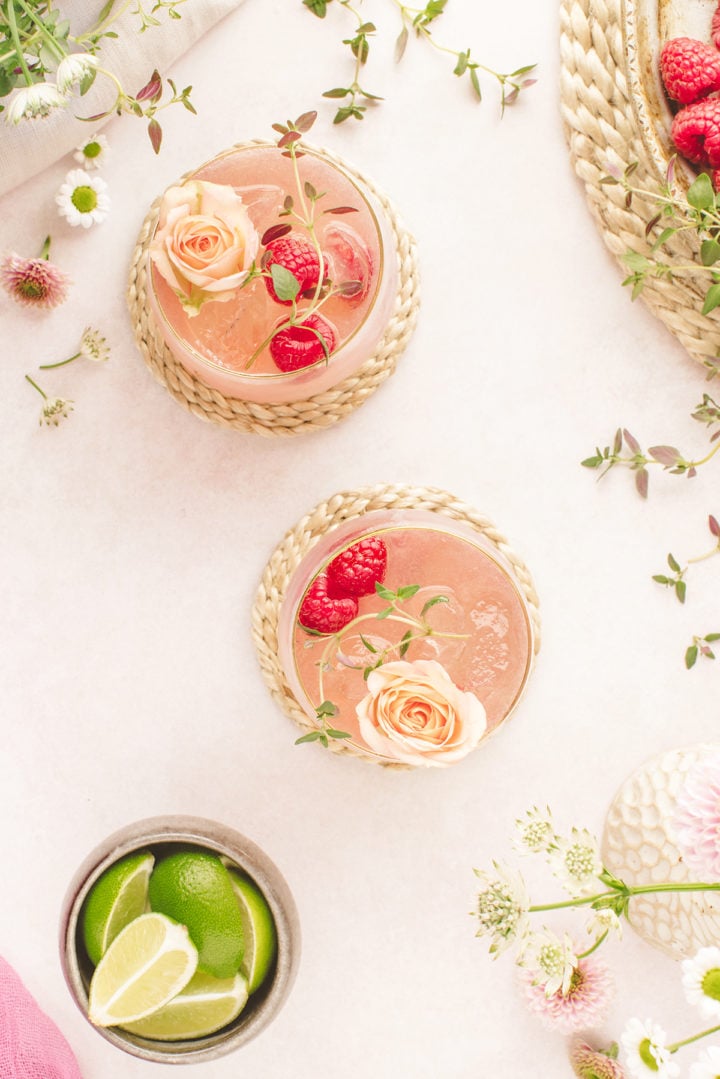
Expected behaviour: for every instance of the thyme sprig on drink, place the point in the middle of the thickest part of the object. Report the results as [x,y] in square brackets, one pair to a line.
[626,451]
[417,21]
[301,210]
[395,611]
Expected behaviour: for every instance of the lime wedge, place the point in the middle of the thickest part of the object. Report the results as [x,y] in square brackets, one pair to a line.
[147,964]
[258,930]
[119,896]
[205,1005]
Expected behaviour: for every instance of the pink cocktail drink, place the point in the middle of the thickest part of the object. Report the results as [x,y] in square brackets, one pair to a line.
[226,344]
[460,607]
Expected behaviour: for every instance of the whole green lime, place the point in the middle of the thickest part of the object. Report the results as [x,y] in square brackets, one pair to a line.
[116,899]
[195,889]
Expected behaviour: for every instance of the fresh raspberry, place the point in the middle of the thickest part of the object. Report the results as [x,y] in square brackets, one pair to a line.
[715,28]
[299,257]
[690,69]
[696,132]
[323,610]
[299,346]
[355,571]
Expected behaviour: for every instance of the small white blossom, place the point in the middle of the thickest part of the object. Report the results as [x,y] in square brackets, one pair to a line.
[708,1064]
[53,410]
[31,102]
[502,907]
[83,199]
[604,921]
[646,1051]
[93,346]
[535,831]
[93,152]
[73,68]
[576,862]
[701,981]
[551,961]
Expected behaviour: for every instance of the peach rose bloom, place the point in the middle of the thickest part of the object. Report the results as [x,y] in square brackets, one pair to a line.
[205,242]
[416,714]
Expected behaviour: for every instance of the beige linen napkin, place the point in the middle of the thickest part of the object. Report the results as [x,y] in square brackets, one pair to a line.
[35,144]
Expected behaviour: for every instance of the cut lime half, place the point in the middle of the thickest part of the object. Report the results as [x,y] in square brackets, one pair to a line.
[258,929]
[146,965]
[205,1005]
[116,898]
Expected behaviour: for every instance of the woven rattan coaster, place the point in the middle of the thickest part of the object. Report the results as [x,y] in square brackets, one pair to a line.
[297,417]
[615,114]
[302,538]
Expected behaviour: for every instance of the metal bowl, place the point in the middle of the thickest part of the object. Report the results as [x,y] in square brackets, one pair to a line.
[165,835]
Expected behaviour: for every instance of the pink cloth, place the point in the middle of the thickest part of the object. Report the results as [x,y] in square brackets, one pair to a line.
[31,1046]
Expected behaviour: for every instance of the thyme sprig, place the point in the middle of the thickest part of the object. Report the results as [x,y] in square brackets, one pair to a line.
[395,610]
[417,21]
[677,581]
[670,458]
[700,647]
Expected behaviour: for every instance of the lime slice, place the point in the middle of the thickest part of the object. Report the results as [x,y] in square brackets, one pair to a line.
[258,928]
[205,1005]
[146,965]
[119,896]
[194,888]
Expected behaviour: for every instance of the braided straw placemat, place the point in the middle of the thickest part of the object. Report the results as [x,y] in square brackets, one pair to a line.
[307,532]
[297,417]
[615,114]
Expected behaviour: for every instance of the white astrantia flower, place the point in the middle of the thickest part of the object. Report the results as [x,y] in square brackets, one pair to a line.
[83,199]
[604,921]
[54,409]
[707,1066]
[646,1051]
[93,346]
[701,981]
[535,831]
[576,862]
[502,907]
[551,960]
[93,152]
[31,102]
[73,68]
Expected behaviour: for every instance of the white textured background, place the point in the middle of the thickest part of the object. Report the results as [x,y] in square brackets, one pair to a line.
[134,537]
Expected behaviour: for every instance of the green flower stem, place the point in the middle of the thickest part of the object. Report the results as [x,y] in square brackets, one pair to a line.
[35,385]
[627,890]
[696,1037]
[49,366]
[102,26]
[52,43]
[12,23]
[45,249]
[600,940]
[407,13]
[708,554]
[616,459]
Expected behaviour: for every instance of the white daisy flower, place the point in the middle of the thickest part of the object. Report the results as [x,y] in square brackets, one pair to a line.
[576,862]
[73,68]
[82,199]
[502,907]
[32,101]
[535,831]
[93,153]
[551,961]
[647,1055]
[707,1066]
[701,981]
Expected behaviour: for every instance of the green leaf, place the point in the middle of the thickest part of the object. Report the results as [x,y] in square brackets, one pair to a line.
[384,613]
[691,655]
[401,44]
[680,590]
[592,462]
[663,238]
[313,736]
[332,733]
[709,252]
[433,603]
[318,7]
[710,637]
[384,592]
[673,564]
[408,591]
[712,299]
[339,91]
[404,643]
[462,63]
[327,708]
[636,262]
[661,578]
[701,194]
[370,647]
[475,82]
[285,283]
